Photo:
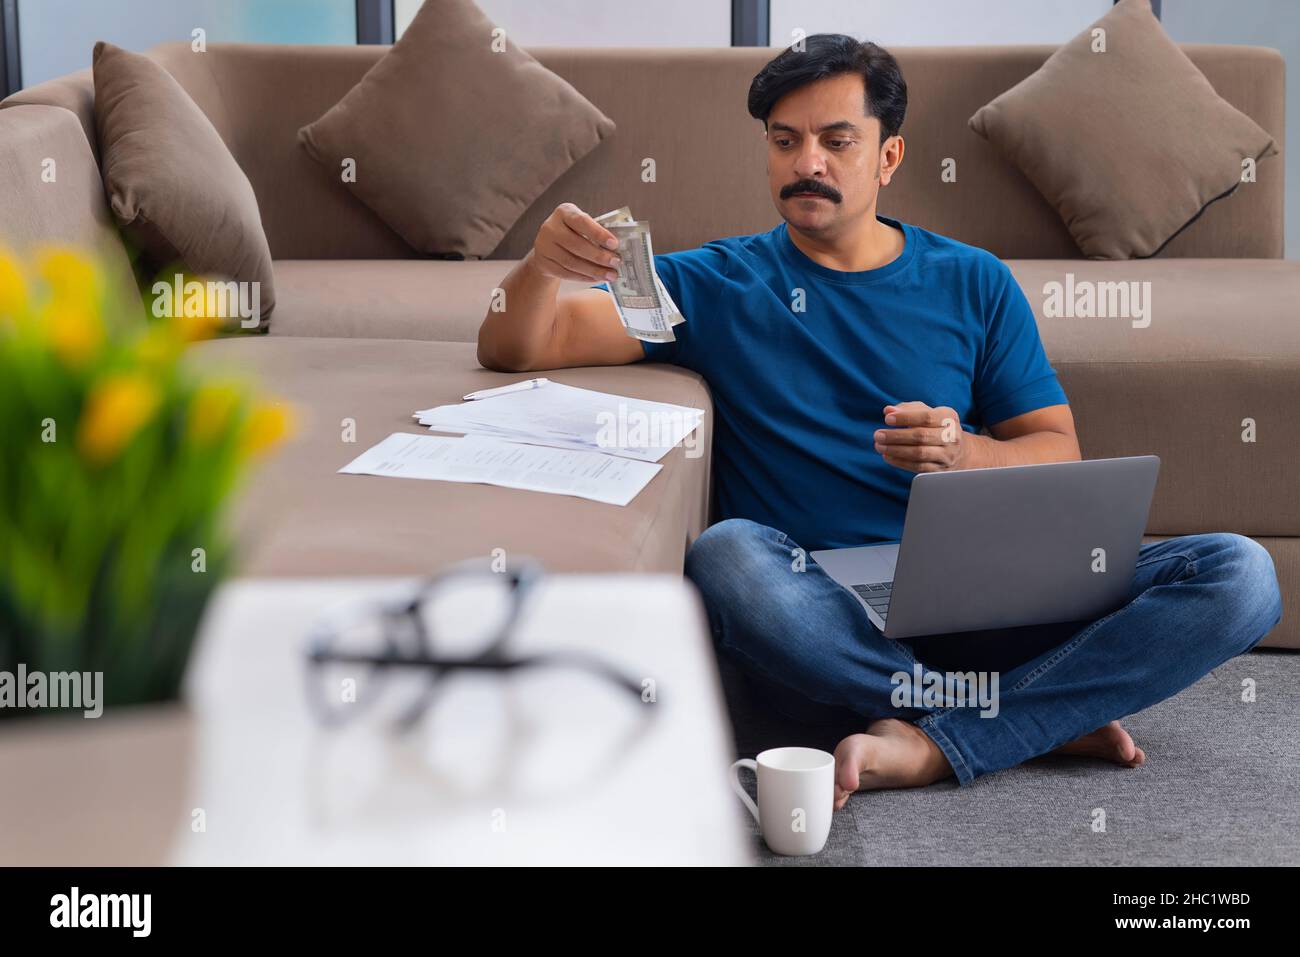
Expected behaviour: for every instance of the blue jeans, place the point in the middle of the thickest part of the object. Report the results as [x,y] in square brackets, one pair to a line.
[807,643]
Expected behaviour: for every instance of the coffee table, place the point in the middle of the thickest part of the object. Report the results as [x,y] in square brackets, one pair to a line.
[544,768]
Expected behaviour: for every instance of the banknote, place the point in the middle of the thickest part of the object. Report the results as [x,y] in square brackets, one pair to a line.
[643,303]
[624,215]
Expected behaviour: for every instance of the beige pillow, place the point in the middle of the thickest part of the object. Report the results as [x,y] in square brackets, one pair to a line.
[172,184]
[452,142]
[1130,144]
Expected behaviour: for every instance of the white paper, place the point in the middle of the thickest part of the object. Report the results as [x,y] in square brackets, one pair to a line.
[564,416]
[592,475]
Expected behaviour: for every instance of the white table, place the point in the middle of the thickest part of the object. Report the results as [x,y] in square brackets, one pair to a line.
[543,768]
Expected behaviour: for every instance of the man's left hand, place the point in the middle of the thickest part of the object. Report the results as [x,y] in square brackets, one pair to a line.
[924,439]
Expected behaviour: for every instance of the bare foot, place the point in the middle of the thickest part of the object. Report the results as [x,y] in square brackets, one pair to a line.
[891,754]
[1111,743]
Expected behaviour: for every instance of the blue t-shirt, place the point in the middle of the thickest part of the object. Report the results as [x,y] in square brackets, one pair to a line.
[802,359]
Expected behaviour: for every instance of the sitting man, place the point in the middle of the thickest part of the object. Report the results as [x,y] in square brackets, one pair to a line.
[835,345]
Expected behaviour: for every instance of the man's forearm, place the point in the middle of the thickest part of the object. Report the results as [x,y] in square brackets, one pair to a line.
[985,452]
[512,339]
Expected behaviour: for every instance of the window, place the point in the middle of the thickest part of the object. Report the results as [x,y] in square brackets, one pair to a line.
[56,36]
[620,23]
[937,22]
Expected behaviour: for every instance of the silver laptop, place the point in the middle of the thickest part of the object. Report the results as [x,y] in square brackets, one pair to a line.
[1003,547]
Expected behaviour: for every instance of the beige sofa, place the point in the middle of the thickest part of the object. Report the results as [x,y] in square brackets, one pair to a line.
[365,330]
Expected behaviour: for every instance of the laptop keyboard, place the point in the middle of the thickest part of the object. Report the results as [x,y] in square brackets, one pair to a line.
[876,594]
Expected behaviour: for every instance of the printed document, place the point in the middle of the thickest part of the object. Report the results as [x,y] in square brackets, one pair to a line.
[587,474]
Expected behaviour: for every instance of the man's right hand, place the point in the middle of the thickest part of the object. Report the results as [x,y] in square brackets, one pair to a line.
[537,327]
[572,245]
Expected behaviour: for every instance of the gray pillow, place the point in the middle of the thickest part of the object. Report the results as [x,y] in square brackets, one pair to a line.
[1128,145]
[171,182]
[452,141]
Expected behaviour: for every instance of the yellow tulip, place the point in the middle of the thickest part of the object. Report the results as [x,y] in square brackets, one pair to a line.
[75,332]
[71,276]
[212,410]
[194,308]
[13,290]
[267,426]
[157,346]
[194,328]
[116,409]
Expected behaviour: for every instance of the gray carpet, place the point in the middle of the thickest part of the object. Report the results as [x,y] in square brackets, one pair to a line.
[1221,785]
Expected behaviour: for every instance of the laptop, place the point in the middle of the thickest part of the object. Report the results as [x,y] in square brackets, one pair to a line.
[1004,547]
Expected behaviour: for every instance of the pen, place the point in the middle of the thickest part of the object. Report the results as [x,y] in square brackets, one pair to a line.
[506,389]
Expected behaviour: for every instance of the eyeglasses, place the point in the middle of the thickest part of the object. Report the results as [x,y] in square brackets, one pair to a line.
[396,649]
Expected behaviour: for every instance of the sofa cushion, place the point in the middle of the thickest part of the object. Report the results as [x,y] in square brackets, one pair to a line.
[171,182]
[387,298]
[1219,345]
[41,141]
[1123,135]
[1132,388]
[403,123]
[72,91]
[297,516]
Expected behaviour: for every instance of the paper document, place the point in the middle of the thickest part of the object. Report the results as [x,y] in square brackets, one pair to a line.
[591,475]
[564,416]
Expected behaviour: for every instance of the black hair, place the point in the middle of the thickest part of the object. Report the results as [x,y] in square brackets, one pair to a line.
[829,54]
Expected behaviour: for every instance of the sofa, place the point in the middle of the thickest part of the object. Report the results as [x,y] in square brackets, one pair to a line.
[366,331]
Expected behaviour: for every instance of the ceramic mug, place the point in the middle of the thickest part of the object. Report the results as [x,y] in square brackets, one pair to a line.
[796,797]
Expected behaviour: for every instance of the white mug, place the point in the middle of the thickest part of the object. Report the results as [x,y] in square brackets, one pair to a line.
[796,797]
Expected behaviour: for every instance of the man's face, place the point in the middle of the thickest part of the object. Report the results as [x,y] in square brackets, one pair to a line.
[825,161]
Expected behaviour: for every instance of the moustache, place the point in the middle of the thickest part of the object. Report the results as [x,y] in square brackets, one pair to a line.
[811,186]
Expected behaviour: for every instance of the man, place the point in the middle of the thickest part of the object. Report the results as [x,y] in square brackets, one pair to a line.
[837,346]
